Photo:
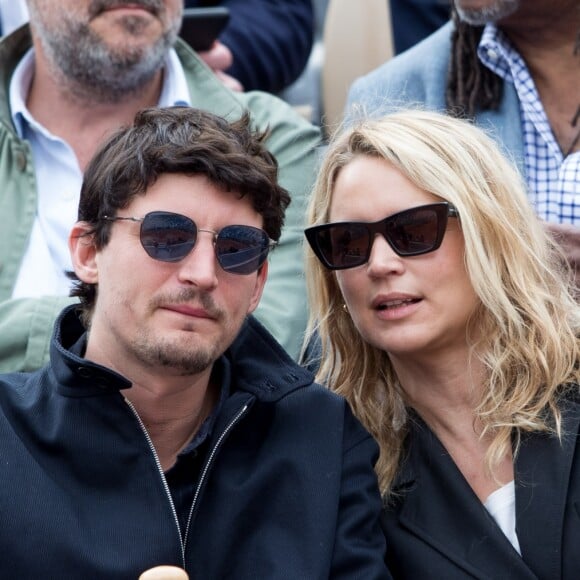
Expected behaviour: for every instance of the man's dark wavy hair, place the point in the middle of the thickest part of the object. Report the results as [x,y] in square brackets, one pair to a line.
[180,140]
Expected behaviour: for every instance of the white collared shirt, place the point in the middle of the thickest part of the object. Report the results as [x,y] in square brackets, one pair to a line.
[59,179]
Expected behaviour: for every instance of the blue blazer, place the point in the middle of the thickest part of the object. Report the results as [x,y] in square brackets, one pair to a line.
[417,78]
[270,40]
[438,528]
[414,20]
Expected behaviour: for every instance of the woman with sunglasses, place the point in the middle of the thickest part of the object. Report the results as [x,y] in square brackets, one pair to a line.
[445,317]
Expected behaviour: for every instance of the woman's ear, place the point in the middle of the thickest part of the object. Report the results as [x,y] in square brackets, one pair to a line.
[83,252]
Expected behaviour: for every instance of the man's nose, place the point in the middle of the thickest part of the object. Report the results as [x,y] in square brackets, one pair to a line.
[200,266]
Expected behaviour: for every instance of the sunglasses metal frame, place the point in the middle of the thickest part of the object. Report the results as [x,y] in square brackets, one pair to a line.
[442,210]
[232,269]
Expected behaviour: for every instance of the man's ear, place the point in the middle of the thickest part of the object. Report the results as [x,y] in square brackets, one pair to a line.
[83,253]
[259,287]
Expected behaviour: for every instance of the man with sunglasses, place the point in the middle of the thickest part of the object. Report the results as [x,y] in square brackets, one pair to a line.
[169,427]
[78,72]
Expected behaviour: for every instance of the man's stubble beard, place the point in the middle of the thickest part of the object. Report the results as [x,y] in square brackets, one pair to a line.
[94,72]
[481,16]
[153,351]
[164,355]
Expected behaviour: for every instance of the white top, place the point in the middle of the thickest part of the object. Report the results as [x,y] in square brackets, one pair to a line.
[501,505]
[59,179]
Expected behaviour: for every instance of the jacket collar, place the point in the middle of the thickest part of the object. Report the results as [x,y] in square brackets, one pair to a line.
[12,48]
[439,506]
[259,365]
[543,472]
[75,375]
[262,367]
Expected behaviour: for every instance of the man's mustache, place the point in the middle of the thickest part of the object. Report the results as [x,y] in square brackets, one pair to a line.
[190,296]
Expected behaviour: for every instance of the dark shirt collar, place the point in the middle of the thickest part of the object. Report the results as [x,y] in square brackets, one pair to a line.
[259,364]
[221,375]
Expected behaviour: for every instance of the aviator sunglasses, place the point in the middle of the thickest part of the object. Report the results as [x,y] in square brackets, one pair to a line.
[412,232]
[169,237]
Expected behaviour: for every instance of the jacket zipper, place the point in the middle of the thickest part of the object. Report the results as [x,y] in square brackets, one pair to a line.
[207,466]
[163,480]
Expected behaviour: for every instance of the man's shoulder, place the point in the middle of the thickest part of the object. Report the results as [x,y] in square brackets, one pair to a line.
[17,380]
[416,62]
[22,391]
[415,77]
[267,110]
[281,118]
[12,48]
[262,367]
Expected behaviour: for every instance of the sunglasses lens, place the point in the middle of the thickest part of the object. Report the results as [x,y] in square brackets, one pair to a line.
[416,231]
[242,249]
[343,245]
[167,237]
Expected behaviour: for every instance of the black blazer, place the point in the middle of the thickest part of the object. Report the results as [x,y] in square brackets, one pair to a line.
[438,528]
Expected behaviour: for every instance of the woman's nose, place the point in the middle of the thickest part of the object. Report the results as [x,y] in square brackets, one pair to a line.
[383,259]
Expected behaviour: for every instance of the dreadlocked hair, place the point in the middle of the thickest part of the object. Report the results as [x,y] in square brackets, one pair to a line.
[471,87]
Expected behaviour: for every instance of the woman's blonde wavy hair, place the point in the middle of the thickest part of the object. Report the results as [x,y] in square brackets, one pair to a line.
[527,323]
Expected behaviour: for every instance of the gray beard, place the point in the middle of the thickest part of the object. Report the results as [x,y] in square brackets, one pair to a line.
[92,71]
[481,16]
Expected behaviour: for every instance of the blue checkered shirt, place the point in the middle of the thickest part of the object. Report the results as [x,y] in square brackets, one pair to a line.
[553,180]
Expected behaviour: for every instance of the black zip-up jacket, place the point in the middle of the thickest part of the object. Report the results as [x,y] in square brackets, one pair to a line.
[287,489]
